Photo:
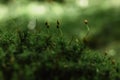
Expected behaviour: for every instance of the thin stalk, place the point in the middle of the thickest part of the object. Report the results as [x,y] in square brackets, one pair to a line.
[60,31]
[48,31]
[88,30]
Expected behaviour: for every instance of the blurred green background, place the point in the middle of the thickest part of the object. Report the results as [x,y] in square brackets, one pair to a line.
[103,17]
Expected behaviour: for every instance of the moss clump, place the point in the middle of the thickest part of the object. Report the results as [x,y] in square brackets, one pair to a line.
[36,55]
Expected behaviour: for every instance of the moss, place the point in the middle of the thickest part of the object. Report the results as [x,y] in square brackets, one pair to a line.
[36,55]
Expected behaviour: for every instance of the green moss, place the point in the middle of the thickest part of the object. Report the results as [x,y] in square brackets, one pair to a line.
[37,55]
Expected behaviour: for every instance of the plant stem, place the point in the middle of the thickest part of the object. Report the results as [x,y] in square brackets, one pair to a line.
[88,30]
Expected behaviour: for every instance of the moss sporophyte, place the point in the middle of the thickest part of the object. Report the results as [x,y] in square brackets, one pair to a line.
[59,29]
[87,26]
[58,24]
[88,30]
[86,21]
[47,26]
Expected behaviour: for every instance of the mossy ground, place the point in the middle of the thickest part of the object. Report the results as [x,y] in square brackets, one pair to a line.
[39,55]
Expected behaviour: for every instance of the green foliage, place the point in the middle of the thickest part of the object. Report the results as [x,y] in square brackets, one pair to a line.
[38,55]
